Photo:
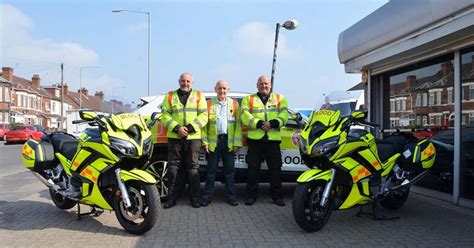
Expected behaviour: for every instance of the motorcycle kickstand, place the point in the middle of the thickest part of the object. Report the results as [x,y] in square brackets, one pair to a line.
[93,211]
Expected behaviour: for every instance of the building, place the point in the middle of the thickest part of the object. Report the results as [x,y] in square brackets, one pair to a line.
[418,59]
[28,102]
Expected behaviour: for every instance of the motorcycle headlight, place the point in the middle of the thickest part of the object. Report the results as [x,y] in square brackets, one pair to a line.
[124,147]
[324,145]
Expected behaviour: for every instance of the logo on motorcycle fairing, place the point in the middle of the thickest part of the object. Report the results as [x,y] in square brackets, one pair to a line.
[296,137]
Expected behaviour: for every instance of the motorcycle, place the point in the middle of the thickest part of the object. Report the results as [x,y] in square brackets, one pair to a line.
[350,168]
[105,168]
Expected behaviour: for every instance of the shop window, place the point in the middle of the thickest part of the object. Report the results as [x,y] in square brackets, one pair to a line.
[431,84]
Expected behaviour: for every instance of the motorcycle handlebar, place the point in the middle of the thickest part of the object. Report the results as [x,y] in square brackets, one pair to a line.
[366,123]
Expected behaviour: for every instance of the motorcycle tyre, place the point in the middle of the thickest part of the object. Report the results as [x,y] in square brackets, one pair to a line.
[152,197]
[395,202]
[61,201]
[300,199]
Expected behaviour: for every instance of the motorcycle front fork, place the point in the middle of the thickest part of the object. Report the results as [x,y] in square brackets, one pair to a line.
[327,189]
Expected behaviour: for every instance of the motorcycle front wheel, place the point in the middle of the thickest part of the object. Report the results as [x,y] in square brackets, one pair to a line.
[142,215]
[308,213]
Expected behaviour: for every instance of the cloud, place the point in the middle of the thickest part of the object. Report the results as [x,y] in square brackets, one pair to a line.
[257,39]
[31,54]
[108,84]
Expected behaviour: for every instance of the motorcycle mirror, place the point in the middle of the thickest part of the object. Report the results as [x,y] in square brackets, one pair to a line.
[152,120]
[87,115]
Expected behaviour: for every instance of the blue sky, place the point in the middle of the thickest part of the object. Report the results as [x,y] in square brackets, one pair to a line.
[213,40]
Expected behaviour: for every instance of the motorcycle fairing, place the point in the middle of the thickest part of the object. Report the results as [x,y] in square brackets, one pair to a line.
[314,174]
[137,175]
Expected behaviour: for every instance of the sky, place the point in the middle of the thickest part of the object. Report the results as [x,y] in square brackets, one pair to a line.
[213,40]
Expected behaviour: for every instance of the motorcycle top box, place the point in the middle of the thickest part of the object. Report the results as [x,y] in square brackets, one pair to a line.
[38,155]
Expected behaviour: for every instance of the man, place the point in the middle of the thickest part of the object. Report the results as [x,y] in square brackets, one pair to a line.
[184,115]
[222,138]
[264,114]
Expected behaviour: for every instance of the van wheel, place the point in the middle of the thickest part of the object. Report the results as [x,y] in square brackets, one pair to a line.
[159,169]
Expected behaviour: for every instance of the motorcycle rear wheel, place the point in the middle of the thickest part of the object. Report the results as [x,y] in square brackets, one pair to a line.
[308,213]
[143,214]
[395,200]
[61,201]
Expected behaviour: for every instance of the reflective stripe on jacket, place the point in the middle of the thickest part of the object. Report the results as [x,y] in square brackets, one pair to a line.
[175,113]
[253,111]
[234,125]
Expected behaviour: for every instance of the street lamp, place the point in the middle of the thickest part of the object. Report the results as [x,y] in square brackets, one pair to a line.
[288,25]
[149,37]
[80,83]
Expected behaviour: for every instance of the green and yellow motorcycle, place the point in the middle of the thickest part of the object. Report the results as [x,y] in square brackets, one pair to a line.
[105,168]
[349,168]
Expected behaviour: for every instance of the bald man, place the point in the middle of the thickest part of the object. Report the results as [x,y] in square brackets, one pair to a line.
[222,138]
[184,115]
[264,113]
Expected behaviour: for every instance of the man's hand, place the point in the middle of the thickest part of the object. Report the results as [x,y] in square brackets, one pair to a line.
[266,126]
[206,148]
[183,132]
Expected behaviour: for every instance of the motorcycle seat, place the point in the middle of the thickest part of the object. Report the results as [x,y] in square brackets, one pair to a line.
[391,145]
[64,143]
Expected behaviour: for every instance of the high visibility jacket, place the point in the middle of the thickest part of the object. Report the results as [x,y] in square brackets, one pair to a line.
[175,113]
[234,125]
[253,111]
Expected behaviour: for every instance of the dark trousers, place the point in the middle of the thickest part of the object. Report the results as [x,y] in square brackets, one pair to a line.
[270,151]
[229,170]
[183,153]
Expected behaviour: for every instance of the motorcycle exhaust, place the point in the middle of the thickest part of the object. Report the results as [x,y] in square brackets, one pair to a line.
[408,183]
[51,185]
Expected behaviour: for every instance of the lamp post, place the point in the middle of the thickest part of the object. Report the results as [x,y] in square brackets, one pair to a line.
[80,83]
[149,37]
[288,25]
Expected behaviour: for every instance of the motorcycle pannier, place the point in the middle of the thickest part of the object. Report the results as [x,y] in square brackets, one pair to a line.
[418,155]
[38,155]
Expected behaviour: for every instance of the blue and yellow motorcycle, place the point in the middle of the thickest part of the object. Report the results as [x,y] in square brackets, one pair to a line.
[350,168]
[105,168]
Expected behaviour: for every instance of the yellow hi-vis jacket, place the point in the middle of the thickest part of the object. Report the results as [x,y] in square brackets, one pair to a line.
[234,125]
[254,111]
[175,113]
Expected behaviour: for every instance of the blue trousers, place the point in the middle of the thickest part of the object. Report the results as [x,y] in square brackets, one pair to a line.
[229,170]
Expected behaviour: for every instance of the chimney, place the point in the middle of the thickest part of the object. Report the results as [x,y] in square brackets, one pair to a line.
[7,73]
[83,90]
[446,68]
[100,95]
[36,80]
[411,81]
[66,89]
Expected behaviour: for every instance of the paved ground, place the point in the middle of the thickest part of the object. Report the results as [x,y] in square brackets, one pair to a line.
[28,218]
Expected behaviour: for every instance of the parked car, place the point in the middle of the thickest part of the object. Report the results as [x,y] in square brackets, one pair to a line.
[21,133]
[4,128]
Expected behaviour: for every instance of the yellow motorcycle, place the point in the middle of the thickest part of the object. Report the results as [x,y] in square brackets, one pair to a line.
[105,168]
[349,167]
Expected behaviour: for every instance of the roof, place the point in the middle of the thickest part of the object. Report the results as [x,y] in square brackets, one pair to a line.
[402,26]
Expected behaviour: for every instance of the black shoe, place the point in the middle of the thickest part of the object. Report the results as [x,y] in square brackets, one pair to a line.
[205,202]
[250,201]
[169,203]
[232,202]
[279,202]
[195,204]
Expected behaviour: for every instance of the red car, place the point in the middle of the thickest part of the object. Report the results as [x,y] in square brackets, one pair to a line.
[4,128]
[22,133]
